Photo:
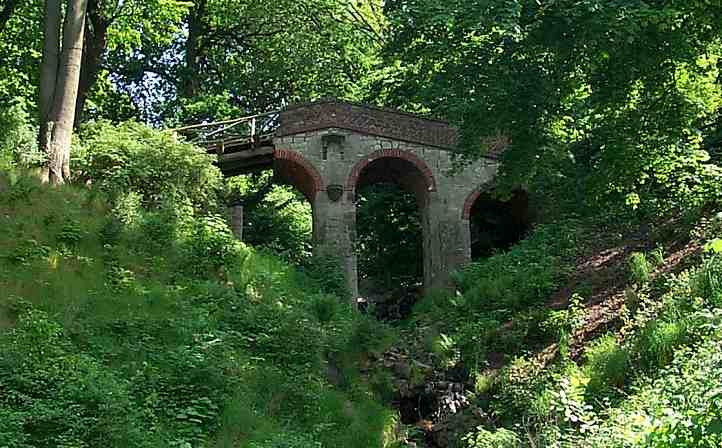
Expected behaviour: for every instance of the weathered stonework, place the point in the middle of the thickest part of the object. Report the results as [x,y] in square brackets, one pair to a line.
[368,120]
[339,144]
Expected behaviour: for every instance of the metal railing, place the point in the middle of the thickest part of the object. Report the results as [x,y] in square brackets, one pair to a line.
[217,136]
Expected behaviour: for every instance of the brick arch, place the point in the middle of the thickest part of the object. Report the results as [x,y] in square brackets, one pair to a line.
[471,198]
[308,181]
[408,156]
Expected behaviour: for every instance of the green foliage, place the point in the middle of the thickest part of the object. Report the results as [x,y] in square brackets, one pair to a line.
[510,281]
[129,326]
[18,138]
[132,158]
[20,52]
[607,364]
[592,122]
[276,217]
[388,227]
[505,286]
[500,438]
[327,272]
[210,246]
[60,397]
[639,268]
[707,281]
[658,341]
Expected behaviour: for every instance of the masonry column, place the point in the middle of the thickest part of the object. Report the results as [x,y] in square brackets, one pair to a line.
[335,232]
[447,242]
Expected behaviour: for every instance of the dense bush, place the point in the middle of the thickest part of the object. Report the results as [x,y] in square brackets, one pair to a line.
[275,217]
[507,286]
[389,229]
[669,349]
[18,138]
[133,158]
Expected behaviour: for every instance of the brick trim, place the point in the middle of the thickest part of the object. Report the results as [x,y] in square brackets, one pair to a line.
[395,154]
[471,198]
[367,106]
[311,171]
[395,125]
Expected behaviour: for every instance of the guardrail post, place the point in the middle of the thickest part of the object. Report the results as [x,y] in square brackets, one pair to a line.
[237,221]
[253,130]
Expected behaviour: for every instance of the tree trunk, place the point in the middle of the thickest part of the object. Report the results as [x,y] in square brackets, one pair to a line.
[190,86]
[48,73]
[58,126]
[96,39]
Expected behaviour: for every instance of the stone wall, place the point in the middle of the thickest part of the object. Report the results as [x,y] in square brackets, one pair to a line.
[334,157]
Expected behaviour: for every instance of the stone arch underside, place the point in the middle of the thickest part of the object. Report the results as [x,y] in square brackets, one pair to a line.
[393,166]
[293,169]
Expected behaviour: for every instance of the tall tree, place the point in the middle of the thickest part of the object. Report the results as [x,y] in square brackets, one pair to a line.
[59,79]
[240,56]
[122,26]
[606,98]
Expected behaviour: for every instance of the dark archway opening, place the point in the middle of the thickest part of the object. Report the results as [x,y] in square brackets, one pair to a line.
[391,196]
[497,225]
[390,251]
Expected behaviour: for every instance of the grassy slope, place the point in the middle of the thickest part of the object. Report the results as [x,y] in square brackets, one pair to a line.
[111,335]
[117,334]
[568,344]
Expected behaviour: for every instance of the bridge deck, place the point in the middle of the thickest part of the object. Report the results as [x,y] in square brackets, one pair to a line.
[242,145]
[247,144]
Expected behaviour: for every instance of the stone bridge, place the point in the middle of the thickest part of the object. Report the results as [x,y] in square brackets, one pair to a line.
[329,149]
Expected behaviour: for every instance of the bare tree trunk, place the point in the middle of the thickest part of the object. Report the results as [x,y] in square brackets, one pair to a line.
[96,39]
[57,125]
[48,74]
[190,81]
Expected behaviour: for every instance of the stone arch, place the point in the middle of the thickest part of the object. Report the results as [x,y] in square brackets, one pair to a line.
[495,224]
[410,173]
[471,199]
[418,163]
[292,168]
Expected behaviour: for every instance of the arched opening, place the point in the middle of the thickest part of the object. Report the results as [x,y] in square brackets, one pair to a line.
[496,225]
[278,206]
[392,194]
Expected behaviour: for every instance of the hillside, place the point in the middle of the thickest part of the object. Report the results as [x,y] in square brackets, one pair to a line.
[583,335]
[125,327]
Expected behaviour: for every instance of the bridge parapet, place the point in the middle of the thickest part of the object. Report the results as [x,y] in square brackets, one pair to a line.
[229,135]
[369,120]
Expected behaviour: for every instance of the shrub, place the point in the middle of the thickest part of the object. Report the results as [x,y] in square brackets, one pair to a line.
[326,271]
[607,364]
[518,386]
[18,138]
[325,307]
[56,397]
[133,158]
[523,276]
[500,438]
[707,280]
[657,341]
[639,268]
[209,247]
